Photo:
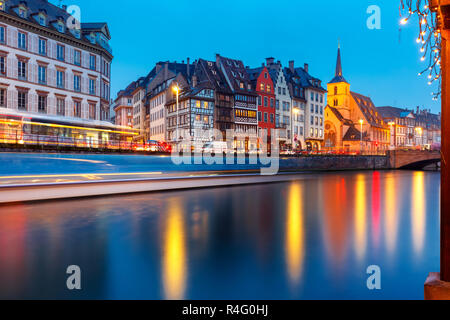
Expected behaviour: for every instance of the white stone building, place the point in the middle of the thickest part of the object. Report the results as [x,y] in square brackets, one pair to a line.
[49,68]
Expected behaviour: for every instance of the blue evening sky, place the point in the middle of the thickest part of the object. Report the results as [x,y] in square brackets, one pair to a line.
[383,64]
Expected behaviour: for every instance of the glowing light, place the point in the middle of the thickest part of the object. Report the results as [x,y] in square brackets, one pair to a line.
[295,247]
[418,217]
[360,217]
[404,21]
[174,256]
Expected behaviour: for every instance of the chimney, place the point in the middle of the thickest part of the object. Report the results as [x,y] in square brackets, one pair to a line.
[263,64]
[270,61]
[158,67]
[306,67]
[418,110]
[64,7]
[166,70]
[188,67]
[291,66]
[194,81]
[217,60]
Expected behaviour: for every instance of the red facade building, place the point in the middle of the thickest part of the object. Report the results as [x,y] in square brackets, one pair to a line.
[264,87]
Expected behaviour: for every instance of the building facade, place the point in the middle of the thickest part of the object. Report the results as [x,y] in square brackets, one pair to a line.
[263,85]
[48,69]
[352,123]
[244,98]
[123,107]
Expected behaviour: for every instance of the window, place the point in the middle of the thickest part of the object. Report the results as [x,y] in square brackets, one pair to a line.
[42,75]
[41,20]
[22,13]
[43,47]
[92,62]
[22,70]
[92,111]
[2,66]
[279,90]
[271,103]
[312,120]
[92,86]
[2,34]
[22,41]
[42,104]
[77,83]
[259,116]
[77,109]
[312,108]
[60,27]
[271,118]
[60,52]
[77,57]
[60,79]
[266,102]
[2,5]
[2,97]
[261,86]
[61,107]
[22,100]
[265,117]
[269,88]
[335,91]
[278,105]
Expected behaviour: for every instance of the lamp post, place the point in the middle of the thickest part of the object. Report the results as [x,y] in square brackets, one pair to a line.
[176,89]
[361,122]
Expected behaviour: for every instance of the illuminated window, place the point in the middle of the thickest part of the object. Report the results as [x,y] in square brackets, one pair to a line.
[2,5]
[92,112]
[77,109]
[268,88]
[261,87]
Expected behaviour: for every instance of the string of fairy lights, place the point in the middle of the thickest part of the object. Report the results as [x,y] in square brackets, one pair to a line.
[429,38]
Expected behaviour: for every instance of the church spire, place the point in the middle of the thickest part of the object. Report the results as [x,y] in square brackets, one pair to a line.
[338,63]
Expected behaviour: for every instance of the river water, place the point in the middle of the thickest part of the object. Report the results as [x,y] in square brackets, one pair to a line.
[309,239]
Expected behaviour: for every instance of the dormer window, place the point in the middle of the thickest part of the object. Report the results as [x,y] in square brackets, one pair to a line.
[22,13]
[2,5]
[60,27]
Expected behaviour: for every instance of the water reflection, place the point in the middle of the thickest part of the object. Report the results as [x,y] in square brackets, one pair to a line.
[295,233]
[294,240]
[418,218]
[390,213]
[174,255]
[360,217]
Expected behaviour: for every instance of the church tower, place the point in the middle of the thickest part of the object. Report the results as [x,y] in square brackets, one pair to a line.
[339,90]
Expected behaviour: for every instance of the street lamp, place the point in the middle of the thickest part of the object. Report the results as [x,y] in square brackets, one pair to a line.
[176,89]
[361,122]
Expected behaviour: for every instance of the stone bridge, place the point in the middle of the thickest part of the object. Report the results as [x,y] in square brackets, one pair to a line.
[412,159]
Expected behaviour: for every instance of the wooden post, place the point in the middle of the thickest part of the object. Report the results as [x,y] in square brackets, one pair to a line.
[445,136]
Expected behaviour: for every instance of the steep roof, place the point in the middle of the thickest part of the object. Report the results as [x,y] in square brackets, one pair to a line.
[368,109]
[53,14]
[308,81]
[392,112]
[354,134]
[338,77]
[235,73]
[339,116]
